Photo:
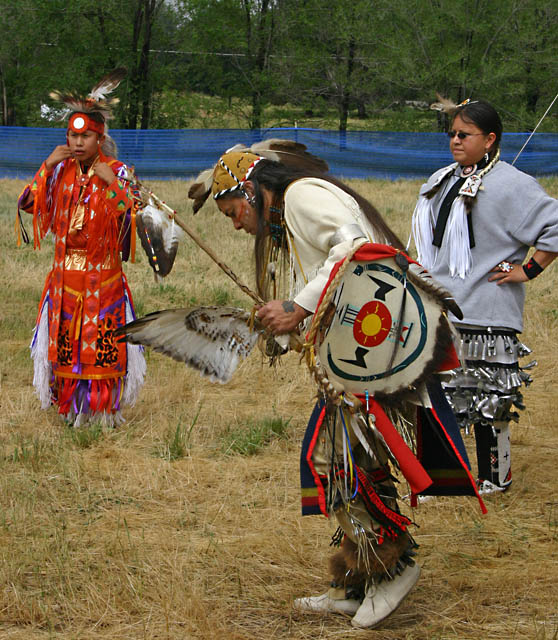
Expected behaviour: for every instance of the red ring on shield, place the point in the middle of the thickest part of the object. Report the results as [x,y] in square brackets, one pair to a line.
[372,324]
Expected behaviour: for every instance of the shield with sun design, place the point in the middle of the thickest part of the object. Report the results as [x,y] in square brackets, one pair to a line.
[385,330]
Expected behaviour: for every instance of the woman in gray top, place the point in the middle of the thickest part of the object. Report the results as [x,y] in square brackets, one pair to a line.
[473,226]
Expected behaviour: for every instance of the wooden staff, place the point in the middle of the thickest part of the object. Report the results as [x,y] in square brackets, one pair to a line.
[202,245]
[292,339]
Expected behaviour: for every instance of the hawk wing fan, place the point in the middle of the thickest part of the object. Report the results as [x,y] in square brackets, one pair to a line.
[212,340]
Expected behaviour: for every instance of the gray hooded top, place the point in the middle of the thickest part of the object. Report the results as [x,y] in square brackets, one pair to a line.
[510,214]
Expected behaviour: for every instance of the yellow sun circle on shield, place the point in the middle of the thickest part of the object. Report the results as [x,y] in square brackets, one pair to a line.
[372,324]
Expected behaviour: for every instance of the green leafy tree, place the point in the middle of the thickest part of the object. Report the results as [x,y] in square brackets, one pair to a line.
[232,43]
[330,55]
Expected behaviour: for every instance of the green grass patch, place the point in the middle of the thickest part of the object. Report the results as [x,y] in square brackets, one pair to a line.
[176,442]
[87,436]
[250,438]
[29,452]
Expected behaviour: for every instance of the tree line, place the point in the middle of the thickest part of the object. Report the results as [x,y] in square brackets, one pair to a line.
[351,57]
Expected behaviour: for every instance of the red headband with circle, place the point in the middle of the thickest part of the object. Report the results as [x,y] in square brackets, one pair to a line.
[81,122]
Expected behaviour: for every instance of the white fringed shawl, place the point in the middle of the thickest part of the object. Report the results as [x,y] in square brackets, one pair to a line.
[455,250]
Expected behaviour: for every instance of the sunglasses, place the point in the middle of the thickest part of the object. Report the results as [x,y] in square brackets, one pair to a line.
[462,135]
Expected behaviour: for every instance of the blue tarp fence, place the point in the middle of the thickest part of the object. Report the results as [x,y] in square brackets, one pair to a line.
[166,154]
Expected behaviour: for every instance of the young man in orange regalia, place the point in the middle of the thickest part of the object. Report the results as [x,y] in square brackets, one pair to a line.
[81,194]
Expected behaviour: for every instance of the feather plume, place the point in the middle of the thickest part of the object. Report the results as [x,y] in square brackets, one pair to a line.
[212,340]
[199,191]
[75,102]
[288,152]
[159,235]
[444,104]
[107,84]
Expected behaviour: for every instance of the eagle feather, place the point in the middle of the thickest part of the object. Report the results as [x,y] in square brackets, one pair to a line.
[444,104]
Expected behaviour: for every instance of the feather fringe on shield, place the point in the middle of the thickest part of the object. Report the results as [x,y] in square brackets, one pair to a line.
[419,276]
[288,152]
[212,340]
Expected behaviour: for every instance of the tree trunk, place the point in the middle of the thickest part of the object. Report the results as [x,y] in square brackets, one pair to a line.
[258,62]
[143,71]
[361,110]
[346,97]
[134,95]
[104,36]
[4,100]
[532,92]
[256,118]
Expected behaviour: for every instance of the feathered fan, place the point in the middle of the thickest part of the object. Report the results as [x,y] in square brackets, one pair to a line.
[157,230]
[159,237]
[287,152]
[212,340]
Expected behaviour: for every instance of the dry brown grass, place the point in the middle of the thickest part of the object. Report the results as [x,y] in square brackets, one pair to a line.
[114,540]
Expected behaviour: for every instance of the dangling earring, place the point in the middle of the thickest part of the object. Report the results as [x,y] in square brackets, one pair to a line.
[250,199]
[486,157]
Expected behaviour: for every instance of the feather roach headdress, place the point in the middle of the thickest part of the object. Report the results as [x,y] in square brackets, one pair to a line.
[286,152]
[96,104]
[96,101]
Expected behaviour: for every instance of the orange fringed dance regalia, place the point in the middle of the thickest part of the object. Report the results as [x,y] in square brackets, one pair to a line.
[78,364]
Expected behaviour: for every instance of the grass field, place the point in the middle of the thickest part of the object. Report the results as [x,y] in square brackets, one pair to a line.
[184,522]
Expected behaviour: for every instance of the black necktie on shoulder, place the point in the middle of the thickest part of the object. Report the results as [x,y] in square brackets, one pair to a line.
[445,209]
